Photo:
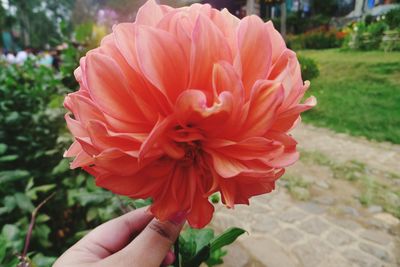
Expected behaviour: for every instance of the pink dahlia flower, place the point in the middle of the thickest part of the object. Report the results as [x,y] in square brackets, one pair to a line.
[184,103]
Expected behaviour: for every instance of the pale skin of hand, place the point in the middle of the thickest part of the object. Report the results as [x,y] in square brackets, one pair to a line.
[134,239]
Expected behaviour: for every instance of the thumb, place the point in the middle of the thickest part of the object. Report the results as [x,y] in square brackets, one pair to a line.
[151,246]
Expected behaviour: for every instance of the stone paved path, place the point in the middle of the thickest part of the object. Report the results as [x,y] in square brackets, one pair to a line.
[329,227]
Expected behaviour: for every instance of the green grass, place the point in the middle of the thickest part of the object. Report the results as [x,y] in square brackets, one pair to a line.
[358,93]
[297,187]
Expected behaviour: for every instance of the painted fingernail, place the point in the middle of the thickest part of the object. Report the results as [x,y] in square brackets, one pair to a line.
[169,259]
[178,218]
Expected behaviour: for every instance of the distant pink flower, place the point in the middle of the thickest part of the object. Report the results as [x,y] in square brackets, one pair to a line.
[184,103]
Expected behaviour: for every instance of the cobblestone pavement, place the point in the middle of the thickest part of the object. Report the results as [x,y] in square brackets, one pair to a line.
[329,228]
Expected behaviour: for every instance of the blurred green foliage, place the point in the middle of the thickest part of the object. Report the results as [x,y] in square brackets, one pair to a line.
[392,18]
[373,33]
[309,68]
[32,140]
[316,39]
[36,21]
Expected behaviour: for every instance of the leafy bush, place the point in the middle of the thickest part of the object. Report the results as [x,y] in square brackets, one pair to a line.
[316,39]
[296,24]
[375,34]
[32,166]
[391,41]
[372,36]
[309,69]
[27,139]
[392,18]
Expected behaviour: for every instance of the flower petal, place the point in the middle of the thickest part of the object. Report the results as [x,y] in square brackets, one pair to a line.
[206,37]
[150,13]
[158,130]
[226,166]
[162,61]
[109,89]
[255,50]
[265,99]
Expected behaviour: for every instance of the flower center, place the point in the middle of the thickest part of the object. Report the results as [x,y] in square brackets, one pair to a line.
[192,152]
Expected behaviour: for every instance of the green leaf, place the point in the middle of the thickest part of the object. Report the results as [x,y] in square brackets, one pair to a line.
[3,148]
[42,260]
[29,185]
[41,233]
[139,203]
[12,117]
[3,210]
[23,202]
[32,193]
[3,247]
[61,167]
[41,218]
[80,234]
[226,238]
[11,176]
[215,198]
[92,214]
[195,247]
[8,158]
[201,256]
[201,237]
[216,257]
[10,202]
[10,232]
[12,263]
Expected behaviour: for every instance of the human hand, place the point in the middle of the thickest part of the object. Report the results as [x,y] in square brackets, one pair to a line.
[134,239]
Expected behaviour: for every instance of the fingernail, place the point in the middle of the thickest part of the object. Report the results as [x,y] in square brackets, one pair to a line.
[178,218]
[169,259]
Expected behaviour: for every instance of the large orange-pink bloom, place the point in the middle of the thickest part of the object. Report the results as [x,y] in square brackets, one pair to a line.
[184,103]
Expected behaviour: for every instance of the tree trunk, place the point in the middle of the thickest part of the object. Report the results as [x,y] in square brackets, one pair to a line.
[283,19]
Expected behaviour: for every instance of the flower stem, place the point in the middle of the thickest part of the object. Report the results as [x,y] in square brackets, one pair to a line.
[176,251]
[30,229]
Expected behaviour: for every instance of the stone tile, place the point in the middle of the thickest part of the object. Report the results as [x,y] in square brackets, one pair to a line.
[348,210]
[255,207]
[260,205]
[264,224]
[314,226]
[360,258]
[312,208]
[378,237]
[291,216]
[224,221]
[340,238]
[289,236]
[241,211]
[334,260]
[376,251]
[277,204]
[324,200]
[300,193]
[387,219]
[268,252]
[345,223]
[322,184]
[312,253]
[375,209]
[236,257]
